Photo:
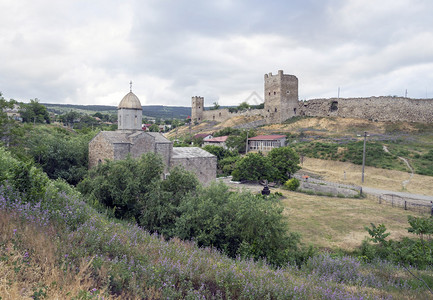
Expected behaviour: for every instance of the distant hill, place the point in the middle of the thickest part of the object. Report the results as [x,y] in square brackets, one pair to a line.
[151,111]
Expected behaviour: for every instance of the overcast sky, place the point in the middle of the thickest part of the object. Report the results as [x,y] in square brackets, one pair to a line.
[86,52]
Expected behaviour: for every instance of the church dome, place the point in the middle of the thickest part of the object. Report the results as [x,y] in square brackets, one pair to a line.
[130,101]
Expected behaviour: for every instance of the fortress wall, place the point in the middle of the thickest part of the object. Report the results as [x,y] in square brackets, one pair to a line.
[372,108]
[220,115]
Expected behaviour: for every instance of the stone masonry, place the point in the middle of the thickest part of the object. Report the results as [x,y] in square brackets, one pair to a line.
[281,103]
[131,140]
[372,108]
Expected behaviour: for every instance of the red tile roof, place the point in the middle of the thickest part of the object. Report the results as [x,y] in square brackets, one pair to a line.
[218,139]
[267,137]
[201,135]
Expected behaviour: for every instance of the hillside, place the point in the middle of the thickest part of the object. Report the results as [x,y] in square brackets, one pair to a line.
[340,139]
[54,245]
[150,111]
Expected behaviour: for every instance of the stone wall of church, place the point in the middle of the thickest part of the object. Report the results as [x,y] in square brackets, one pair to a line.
[141,144]
[203,167]
[121,150]
[165,150]
[99,150]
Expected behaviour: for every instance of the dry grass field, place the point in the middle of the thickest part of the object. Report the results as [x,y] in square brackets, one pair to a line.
[331,222]
[373,177]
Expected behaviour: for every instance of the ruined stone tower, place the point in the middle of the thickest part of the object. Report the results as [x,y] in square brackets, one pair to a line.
[281,97]
[197,108]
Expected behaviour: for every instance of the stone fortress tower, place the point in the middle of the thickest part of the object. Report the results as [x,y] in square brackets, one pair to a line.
[197,109]
[281,97]
[282,103]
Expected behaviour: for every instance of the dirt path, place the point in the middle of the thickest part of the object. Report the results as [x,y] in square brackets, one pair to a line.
[404,182]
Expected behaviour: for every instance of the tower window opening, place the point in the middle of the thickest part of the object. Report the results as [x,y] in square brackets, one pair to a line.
[275,109]
[334,106]
[275,93]
[294,110]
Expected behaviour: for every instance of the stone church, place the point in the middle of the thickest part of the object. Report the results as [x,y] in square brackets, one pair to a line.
[130,139]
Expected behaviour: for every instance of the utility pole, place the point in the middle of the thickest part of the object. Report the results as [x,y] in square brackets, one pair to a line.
[338,96]
[363,156]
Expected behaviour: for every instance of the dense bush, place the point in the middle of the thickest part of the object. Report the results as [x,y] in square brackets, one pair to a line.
[415,252]
[60,153]
[292,184]
[26,179]
[235,223]
[239,224]
[134,189]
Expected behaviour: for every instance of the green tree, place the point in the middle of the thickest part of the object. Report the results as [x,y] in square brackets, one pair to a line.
[420,226]
[243,106]
[225,158]
[238,224]
[34,112]
[6,123]
[238,142]
[254,167]
[60,153]
[24,177]
[125,185]
[286,160]
[154,128]
[69,118]
[134,189]
[215,106]
[98,115]
[227,131]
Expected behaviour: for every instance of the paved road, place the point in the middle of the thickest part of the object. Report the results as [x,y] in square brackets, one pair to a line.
[377,192]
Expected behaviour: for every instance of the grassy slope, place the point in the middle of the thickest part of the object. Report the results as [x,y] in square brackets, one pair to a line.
[122,261]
